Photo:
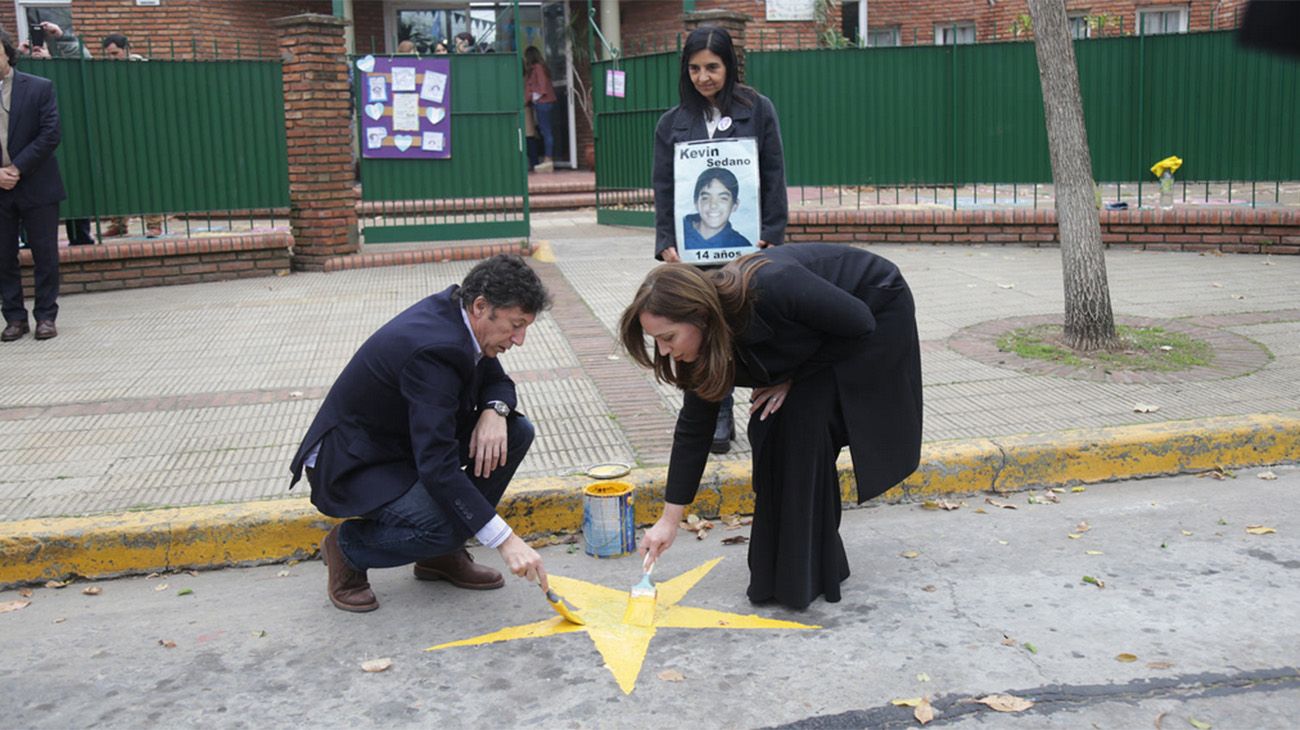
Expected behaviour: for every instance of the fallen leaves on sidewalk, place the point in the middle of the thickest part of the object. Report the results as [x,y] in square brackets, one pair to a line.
[672,675]
[909,554]
[694,523]
[1267,476]
[1159,665]
[1082,527]
[57,583]
[1126,658]
[92,590]
[1145,408]
[25,592]
[735,540]
[1006,703]
[167,644]
[923,713]
[1090,580]
[999,503]
[1260,530]
[376,665]
[8,606]
[160,587]
[1199,724]
[1218,473]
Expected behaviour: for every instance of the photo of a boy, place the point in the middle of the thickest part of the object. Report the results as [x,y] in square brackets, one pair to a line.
[716,198]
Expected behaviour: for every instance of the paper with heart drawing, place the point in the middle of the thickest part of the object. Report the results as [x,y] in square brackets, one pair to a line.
[406,112]
[434,87]
[435,114]
[375,137]
[403,78]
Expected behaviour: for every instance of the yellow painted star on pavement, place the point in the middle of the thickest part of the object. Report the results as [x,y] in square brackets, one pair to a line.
[624,646]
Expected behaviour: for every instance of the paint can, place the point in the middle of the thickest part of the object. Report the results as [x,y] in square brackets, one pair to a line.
[608,526]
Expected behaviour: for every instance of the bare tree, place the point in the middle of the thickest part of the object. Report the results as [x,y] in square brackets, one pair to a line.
[1089,321]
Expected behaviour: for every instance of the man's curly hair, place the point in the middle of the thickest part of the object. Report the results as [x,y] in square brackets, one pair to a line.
[505,281]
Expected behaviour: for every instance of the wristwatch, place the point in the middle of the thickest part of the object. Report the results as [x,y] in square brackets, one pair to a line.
[500,407]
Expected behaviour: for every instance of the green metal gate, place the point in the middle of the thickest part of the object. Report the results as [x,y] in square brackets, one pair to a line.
[481,191]
[625,133]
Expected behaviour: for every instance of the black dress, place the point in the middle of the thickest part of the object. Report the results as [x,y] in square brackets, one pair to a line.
[838,323]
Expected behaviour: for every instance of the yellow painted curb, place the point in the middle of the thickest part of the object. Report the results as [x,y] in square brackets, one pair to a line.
[275,530]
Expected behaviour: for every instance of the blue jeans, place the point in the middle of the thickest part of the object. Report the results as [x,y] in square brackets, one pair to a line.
[414,526]
[543,112]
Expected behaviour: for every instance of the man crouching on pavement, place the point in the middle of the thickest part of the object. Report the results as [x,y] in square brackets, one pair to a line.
[419,437]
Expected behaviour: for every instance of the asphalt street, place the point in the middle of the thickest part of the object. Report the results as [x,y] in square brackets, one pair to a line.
[1192,617]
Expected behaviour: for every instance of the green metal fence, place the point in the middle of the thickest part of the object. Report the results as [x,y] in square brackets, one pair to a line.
[961,116]
[481,191]
[169,137]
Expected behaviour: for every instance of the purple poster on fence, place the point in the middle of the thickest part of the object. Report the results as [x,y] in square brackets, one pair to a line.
[406,107]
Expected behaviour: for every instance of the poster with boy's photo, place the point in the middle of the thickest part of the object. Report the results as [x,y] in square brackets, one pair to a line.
[716,200]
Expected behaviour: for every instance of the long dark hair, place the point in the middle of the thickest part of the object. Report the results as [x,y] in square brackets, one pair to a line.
[718,302]
[533,57]
[717,40]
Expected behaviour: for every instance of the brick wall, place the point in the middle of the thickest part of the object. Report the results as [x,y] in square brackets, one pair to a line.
[166,262]
[1229,231]
[650,24]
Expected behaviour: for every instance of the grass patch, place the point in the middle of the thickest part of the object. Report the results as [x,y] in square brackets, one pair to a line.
[1141,348]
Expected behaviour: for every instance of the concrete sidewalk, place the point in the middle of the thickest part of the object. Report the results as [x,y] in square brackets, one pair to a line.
[196,396]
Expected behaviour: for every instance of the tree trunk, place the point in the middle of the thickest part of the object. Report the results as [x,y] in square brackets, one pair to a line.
[1089,322]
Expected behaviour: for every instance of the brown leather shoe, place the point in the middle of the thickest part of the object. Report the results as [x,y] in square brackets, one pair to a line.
[45,329]
[348,589]
[460,570]
[15,330]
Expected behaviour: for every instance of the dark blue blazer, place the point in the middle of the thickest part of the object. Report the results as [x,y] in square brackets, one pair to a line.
[398,412]
[33,135]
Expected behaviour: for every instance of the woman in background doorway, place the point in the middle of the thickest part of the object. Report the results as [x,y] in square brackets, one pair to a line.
[540,95]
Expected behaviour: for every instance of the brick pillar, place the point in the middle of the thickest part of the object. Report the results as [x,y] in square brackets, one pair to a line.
[318,127]
[732,21]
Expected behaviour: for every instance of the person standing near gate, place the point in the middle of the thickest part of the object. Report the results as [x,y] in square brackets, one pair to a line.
[30,191]
[419,438]
[118,48]
[714,104]
[539,94]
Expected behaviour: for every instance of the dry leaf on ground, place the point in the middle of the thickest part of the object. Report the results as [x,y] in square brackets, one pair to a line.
[1094,581]
[929,589]
[1267,475]
[909,554]
[1082,527]
[1006,703]
[671,675]
[1145,408]
[1160,721]
[923,713]
[942,504]
[283,574]
[167,644]
[1077,490]
[906,702]
[25,592]
[1008,641]
[1051,497]
[1260,530]
[1074,535]
[57,583]
[1199,724]
[923,677]
[8,606]
[160,587]
[1159,665]
[92,590]
[701,534]
[999,503]
[1126,658]
[735,540]
[1093,552]
[376,665]
[1218,473]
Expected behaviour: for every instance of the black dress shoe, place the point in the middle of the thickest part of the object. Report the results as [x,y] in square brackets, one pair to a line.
[46,330]
[15,330]
[725,430]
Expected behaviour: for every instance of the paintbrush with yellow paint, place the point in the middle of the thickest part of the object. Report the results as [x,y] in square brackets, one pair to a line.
[641,603]
[561,606]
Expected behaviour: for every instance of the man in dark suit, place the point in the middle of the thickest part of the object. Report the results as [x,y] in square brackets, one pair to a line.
[30,191]
[419,437]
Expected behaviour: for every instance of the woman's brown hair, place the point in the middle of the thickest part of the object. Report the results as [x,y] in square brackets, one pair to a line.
[717,302]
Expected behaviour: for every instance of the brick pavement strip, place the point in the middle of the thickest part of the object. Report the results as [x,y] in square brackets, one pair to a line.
[625,386]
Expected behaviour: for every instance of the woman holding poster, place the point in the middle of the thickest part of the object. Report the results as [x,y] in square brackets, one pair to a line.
[715,107]
[826,336]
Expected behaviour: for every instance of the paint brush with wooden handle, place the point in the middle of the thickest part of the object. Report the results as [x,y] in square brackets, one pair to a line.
[641,603]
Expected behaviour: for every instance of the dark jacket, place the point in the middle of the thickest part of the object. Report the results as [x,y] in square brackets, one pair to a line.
[34,133]
[758,120]
[819,307]
[397,413]
[728,237]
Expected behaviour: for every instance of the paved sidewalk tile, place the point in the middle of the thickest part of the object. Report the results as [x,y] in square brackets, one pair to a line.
[199,394]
